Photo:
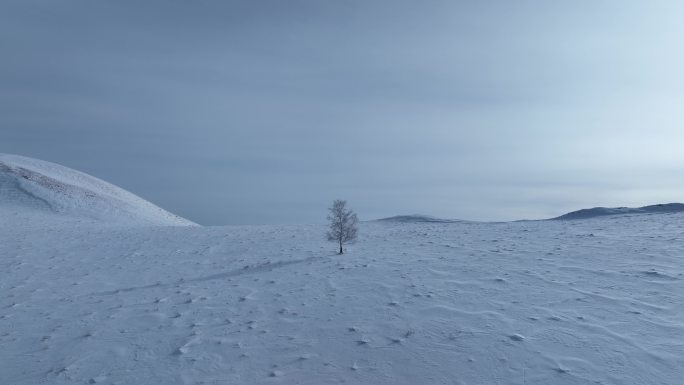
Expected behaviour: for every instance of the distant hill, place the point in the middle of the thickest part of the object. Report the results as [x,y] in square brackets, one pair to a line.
[604,211]
[417,218]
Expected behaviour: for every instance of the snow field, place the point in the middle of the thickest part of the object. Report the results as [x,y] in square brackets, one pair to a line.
[554,302]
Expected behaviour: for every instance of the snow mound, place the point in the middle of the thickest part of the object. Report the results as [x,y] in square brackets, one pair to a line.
[603,211]
[30,187]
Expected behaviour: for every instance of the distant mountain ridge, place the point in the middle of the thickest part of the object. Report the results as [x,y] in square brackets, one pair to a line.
[605,211]
[594,212]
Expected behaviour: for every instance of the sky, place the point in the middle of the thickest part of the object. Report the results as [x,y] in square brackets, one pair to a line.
[247,112]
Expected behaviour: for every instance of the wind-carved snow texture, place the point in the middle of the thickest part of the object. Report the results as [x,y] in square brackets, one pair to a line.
[552,302]
[30,187]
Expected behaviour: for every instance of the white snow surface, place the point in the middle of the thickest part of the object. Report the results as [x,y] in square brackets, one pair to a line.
[552,302]
[31,188]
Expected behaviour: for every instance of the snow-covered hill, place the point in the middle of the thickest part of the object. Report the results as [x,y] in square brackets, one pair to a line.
[545,302]
[32,189]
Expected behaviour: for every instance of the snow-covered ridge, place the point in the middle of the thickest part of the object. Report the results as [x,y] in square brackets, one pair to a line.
[31,186]
[603,211]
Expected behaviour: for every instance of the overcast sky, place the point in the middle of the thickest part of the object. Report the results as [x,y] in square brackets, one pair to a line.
[230,112]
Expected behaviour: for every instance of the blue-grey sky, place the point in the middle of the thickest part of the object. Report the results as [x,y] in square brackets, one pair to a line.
[229,112]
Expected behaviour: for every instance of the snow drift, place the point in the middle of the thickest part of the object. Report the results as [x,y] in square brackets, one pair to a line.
[31,188]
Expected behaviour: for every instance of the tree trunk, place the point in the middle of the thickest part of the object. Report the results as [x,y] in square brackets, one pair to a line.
[341,252]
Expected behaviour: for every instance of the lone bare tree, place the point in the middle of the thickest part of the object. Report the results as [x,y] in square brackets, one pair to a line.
[343,224]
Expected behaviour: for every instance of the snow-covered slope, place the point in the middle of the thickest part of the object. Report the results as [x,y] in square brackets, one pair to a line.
[31,188]
[546,302]
[603,211]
